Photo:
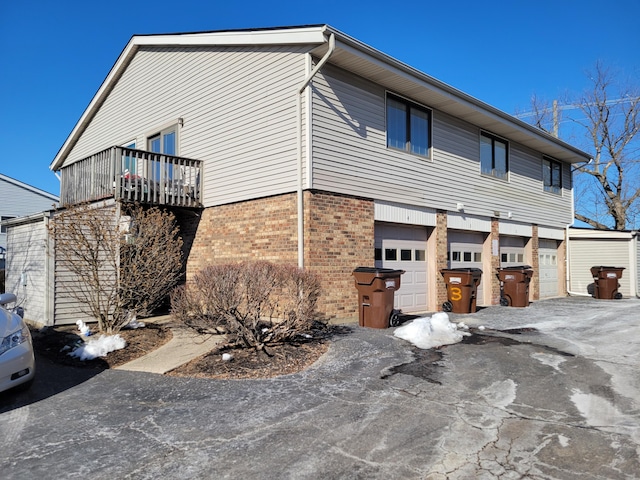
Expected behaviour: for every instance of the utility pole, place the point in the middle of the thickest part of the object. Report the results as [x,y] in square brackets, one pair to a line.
[555,118]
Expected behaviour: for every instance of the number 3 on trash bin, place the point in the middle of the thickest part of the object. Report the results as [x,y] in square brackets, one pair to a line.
[455,293]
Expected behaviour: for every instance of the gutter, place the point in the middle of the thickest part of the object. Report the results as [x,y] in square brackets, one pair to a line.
[301,90]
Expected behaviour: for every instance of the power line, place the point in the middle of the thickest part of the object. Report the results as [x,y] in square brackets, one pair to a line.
[575,106]
[555,108]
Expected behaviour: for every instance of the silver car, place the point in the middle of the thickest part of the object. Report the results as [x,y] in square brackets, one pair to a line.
[17,362]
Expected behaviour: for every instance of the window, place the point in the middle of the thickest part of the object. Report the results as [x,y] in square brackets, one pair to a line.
[390,254]
[163,142]
[493,156]
[408,127]
[551,175]
[129,165]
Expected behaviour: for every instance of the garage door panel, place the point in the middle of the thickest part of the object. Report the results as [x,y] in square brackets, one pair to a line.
[548,272]
[466,252]
[403,248]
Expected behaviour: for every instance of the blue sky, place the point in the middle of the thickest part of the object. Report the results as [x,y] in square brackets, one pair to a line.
[57,53]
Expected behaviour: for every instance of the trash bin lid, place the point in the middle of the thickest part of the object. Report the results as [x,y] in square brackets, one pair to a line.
[465,270]
[379,271]
[517,267]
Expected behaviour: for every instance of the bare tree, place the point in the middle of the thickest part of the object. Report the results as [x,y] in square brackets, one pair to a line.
[118,263]
[607,190]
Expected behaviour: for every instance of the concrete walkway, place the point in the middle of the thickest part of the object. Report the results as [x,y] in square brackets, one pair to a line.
[184,346]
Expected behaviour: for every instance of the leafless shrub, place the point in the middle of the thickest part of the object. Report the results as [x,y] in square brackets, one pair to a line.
[116,265]
[256,303]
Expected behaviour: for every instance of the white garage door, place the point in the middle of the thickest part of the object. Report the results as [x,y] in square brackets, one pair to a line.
[512,252]
[548,266]
[404,248]
[465,251]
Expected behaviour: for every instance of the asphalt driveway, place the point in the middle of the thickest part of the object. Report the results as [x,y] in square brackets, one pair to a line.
[548,391]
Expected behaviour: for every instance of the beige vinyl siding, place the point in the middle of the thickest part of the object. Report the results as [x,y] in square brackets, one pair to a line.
[585,253]
[350,157]
[67,308]
[238,106]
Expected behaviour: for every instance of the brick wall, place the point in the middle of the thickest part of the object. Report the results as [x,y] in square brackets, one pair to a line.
[262,229]
[339,236]
[442,247]
[491,278]
[535,263]
[562,267]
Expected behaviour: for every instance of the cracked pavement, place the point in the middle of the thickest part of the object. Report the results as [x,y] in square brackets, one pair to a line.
[545,392]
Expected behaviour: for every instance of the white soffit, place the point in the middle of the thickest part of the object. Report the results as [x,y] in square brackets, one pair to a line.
[290,36]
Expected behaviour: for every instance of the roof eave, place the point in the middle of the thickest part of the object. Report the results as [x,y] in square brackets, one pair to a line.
[484,114]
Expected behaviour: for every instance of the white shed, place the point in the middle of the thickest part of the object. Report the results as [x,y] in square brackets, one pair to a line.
[30,265]
[588,248]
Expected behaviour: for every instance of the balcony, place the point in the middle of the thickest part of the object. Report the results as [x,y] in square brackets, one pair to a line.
[133,176]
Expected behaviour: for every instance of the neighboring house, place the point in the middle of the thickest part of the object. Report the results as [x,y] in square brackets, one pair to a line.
[304,145]
[592,248]
[17,200]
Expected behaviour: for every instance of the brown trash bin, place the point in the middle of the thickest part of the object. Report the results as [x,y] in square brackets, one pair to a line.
[514,285]
[462,288]
[606,282]
[376,287]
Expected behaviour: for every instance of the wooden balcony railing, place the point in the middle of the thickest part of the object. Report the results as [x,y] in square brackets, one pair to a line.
[133,176]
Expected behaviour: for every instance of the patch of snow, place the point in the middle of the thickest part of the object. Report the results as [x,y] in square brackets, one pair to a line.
[99,347]
[133,324]
[564,441]
[84,329]
[500,394]
[548,359]
[601,413]
[481,327]
[430,332]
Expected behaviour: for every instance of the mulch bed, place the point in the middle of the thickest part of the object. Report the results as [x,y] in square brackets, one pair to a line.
[55,344]
[247,363]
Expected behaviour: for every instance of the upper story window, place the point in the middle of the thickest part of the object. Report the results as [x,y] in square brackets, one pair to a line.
[163,142]
[494,156]
[408,126]
[551,175]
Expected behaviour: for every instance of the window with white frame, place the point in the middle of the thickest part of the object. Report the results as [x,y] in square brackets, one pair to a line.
[494,156]
[551,175]
[408,126]
[129,164]
[163,142]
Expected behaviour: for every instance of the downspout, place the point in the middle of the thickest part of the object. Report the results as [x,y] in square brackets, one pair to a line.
[635,262]
[301,90]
